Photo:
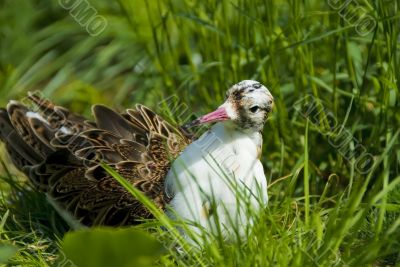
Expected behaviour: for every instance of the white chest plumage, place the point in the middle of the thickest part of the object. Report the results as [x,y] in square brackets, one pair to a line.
[218,179]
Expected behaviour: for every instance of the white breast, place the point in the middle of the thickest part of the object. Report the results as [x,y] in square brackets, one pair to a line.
[218,178]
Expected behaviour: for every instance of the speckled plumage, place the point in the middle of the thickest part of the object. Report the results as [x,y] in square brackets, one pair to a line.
[60,152]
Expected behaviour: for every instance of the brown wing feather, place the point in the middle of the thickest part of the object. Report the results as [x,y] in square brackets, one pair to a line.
[60,152]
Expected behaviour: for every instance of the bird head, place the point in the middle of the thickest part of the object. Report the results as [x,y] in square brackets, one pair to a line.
[247,106]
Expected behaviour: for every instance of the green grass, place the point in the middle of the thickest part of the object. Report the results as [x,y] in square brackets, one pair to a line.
[322,210]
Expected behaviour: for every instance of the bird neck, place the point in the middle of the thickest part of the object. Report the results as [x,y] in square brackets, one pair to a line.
[229,132]
[237,141]
[232,128]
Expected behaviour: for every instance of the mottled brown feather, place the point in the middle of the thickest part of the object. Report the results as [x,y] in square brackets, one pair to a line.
[61,155]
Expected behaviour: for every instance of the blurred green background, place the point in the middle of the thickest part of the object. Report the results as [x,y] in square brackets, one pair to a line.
[148,51]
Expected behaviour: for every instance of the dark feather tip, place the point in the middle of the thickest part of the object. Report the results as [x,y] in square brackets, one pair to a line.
[191,124]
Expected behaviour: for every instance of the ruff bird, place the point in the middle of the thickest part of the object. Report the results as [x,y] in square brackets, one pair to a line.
[199,179]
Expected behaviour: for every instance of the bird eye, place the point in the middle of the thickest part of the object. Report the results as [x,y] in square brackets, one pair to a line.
[254,109]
